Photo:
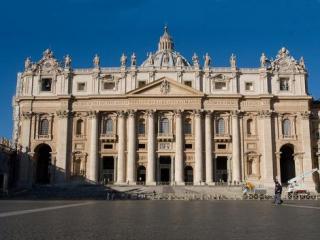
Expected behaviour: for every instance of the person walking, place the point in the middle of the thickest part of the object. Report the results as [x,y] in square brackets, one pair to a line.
[277,192]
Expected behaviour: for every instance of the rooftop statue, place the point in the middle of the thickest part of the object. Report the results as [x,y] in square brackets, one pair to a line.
[207,60]
[133,59]
[96,61]
[123,60]
[233,61]
[67,61]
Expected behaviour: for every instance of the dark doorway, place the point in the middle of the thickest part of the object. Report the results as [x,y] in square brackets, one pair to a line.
[141,175]
[108,169]
[165,169]
[43,163]
[188,175]
[287,167]
[221,169]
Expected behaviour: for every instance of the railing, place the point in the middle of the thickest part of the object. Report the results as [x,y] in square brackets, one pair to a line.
[110,136]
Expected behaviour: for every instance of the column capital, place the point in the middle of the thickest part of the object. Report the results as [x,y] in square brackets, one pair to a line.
[131,112]
[208,113]
[150,112]
[63,113]
[305,115]
[198,112]
[121,114]
[265,113]
[178,112]
[92,114]
[27,115]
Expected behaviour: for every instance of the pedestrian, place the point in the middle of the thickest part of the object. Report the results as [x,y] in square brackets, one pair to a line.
[277,192]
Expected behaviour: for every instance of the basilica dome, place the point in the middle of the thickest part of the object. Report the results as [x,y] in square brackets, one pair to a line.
[165,56]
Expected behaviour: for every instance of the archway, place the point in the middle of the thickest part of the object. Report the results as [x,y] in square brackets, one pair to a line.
[188,175]
[141,175]
[43,163]
[287,167]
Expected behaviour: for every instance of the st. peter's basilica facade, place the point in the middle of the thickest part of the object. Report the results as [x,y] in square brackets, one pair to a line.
[167,121]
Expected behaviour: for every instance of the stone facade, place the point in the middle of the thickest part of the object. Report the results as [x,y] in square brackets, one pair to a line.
[166,121]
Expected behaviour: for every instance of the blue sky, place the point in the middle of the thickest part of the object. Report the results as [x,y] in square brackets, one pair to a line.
[82,28]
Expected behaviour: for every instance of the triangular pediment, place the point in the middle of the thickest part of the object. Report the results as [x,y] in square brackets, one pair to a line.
[165,87]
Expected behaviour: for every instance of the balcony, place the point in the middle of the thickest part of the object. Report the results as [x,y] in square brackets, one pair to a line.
[110,137]
[165,137]
[222,137]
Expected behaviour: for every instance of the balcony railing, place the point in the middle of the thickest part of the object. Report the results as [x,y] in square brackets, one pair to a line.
[108,136]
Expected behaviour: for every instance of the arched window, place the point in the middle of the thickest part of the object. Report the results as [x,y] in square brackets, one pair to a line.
[250,127]
[164,126]
[44,127]
[187,126]
[107,126]
[79,127]
[286,128]
[141,126]
[220,126]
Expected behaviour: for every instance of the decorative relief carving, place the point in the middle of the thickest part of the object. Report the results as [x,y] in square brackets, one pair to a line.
[131,112]
[165,87]
[198,113]
[178,113]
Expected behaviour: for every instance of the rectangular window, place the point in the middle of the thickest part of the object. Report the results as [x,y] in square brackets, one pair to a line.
[108,146]
[81,86]
[109,85]
[188,146]
[188,83]
[46,84]
[222,146]
[284,84]
[141,146]
[249,86]
[220,85]
[141,83]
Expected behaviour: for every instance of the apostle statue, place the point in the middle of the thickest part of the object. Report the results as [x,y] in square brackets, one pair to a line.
[123,60]
[67,61]
[150,58]
[27,64]
[96,61]
[195,60]
[207,60]
[263,60]
[133,59]
[179,60]
[302,64]
[233,61]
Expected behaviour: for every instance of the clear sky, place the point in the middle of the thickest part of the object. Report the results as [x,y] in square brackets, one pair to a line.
[82,28]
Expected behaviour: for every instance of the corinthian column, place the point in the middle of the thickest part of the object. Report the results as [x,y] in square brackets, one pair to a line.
[24,179]
[151,150]
[62,145]
[121,148]
[235,148]
[93,156]
[198,177]
[131,166]
[179,149]
[267,148]
[306,146]
[208,138]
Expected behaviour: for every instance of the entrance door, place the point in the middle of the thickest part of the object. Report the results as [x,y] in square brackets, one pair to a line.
[165,169]
[108,169]
[221,169]
[141,175]
[43,163]
[287,167]
[188,175]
